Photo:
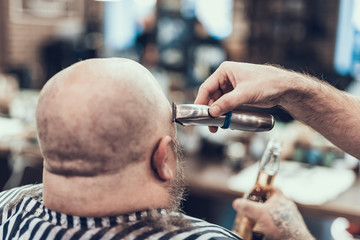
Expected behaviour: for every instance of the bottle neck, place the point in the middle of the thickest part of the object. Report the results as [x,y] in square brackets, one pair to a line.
[265,180]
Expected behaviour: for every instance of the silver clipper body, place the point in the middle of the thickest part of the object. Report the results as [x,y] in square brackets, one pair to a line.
[239,119]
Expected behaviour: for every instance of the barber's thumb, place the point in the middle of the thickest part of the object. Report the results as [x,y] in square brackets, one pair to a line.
[250,209]
[224,104]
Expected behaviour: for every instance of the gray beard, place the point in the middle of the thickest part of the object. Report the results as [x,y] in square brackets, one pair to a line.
[177,187]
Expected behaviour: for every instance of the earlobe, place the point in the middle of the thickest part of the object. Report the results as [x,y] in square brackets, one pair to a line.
[160,160]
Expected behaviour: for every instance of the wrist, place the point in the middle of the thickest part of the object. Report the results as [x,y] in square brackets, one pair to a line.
[294,90]
[299,88]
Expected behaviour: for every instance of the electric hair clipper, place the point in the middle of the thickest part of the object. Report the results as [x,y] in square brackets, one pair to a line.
[239,119]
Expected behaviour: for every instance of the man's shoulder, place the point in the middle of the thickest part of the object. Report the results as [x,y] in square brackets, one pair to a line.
[207,230]
[17,192]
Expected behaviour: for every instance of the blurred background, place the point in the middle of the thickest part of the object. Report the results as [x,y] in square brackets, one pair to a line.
[182,42]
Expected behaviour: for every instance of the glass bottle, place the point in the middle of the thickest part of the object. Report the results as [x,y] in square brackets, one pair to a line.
[268,168]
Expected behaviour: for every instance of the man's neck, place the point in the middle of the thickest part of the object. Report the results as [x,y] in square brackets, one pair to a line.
[104,195]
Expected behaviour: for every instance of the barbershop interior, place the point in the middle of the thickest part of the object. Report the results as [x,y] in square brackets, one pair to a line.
[183,42]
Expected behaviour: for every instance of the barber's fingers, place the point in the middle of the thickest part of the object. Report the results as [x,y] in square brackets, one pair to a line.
[215,85]
[252,210]
[226,103]
[206,91]
[213,129]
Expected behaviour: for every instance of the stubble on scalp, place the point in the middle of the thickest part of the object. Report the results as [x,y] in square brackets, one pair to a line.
[97,117]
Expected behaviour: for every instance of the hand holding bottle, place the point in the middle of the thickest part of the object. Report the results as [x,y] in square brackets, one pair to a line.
[268,168]
[278,217]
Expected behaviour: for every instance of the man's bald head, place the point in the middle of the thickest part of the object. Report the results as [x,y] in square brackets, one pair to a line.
[99,115]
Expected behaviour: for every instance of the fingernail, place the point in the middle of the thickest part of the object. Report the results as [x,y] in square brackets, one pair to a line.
[215,110]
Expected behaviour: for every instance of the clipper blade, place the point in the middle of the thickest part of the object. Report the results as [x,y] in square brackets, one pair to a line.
[173,112]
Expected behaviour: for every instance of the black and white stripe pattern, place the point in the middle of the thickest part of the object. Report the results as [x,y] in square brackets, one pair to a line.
[30,219]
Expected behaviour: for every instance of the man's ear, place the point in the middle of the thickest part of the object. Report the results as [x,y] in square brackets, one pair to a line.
[160,159]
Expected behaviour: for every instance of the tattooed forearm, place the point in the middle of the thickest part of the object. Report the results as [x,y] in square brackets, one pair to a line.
[291,227]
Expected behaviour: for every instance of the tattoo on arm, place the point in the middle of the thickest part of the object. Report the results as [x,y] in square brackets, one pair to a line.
[291,226]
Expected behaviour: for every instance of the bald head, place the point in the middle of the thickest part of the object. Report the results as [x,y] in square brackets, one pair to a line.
[99,115]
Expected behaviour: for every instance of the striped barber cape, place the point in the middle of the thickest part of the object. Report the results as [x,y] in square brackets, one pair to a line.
[23,216]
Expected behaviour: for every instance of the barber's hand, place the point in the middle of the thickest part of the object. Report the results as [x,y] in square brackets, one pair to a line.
[235,83]
[278,217]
